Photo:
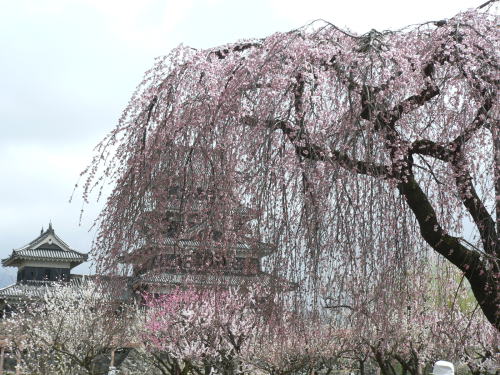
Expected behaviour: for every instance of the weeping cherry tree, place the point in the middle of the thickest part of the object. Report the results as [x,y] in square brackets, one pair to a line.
[357,157]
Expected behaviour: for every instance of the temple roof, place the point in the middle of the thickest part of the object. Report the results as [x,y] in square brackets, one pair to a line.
[46,247]
[32,289]
[240,249]
[199,279]
[177,205]
[178,279]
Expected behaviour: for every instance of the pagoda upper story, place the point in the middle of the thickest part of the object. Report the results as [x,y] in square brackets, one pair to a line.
[46,258]
[189,247]
[195,228]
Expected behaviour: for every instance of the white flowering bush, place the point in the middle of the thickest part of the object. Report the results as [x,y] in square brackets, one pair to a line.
[67,331]
[195,330]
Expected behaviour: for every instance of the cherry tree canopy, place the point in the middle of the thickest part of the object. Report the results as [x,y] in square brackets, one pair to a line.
[353,153]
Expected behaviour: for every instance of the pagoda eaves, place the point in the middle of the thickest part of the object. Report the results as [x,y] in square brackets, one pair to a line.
[47,247]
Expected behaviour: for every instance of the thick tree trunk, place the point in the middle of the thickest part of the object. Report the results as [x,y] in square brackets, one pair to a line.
[362,367]
[480,270]
[495,131]
[383,364]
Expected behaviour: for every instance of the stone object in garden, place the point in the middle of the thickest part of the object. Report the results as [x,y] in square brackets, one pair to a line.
[443,368]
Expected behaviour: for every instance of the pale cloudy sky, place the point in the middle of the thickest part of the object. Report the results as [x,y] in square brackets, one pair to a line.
[68,68]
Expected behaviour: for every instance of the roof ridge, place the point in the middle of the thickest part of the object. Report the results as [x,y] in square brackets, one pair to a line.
[38,240]
[8,286]
[20,252]
[61,241]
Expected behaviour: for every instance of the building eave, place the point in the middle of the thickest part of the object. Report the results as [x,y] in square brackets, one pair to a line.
[173,246]
[224,280]
[50,242]
[15,259]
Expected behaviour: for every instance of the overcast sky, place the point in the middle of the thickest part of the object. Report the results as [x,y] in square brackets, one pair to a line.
[68,68]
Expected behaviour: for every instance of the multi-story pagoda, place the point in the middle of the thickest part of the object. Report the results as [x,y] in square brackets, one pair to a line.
[195,232]
[44,260]
[188,256]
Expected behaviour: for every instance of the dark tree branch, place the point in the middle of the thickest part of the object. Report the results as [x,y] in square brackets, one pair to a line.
[468,261]
[409,104]
[310,151]
[467,193]
[223,53]
[448,246]
[451,152]
[389,117]
[478,122]
[470,199]
[486,4]
[445,152]
[426,147]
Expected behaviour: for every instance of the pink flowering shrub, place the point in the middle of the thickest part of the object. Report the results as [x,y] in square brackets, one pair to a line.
[200,328]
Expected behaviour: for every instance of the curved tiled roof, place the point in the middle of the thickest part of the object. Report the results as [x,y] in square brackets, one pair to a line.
[32,289]
[262,249]
[241,249]
[205,279]
[171,278]
[22,291]
[45,254]
[43,236]
[46,247]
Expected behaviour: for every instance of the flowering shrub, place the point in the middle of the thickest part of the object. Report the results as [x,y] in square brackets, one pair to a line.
[68,330]
[203,328]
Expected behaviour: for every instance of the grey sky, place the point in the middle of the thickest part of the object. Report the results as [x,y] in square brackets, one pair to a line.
[68,68]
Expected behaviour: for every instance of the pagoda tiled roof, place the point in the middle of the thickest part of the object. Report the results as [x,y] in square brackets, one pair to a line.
[46,247]
[202,279]
[241,249]
[175,205]
[32,289]
[46,254]
[261,249]
[211,279]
